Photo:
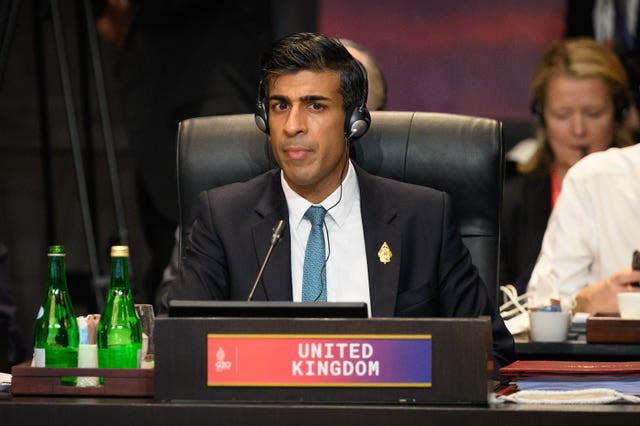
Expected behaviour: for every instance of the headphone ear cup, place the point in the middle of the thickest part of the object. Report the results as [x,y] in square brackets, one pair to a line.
[358,123]
[261,118]
[537,111]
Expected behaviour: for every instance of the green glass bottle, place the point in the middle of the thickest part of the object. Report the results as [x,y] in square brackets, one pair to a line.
[56,332]
[119,333]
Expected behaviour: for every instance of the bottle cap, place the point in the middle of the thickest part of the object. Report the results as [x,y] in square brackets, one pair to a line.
[56,250]
[119,251]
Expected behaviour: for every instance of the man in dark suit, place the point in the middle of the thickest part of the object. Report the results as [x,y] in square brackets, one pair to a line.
[393,245]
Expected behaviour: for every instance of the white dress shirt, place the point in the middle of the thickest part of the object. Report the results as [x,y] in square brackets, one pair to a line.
[594,226]
[347,273]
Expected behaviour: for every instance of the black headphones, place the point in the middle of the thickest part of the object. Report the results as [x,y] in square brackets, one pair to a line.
[260,116]
[357,121]
[621,102]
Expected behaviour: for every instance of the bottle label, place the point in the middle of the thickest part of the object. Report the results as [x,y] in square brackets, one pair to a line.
[39,357]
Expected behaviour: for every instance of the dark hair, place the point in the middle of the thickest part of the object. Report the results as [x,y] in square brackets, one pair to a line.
[315,52]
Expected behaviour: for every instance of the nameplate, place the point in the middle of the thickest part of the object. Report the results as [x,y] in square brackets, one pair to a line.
[411,360]
[317,360]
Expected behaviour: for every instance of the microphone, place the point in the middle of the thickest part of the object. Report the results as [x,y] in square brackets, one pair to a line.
[275,237]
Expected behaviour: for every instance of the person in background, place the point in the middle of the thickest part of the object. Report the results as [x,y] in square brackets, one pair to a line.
[592,234]
[377,95]
[376,100]
[312,103]
[579,101]
[614,23]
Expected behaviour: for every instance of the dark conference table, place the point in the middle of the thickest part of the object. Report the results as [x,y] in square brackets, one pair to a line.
[131,411]
[35,410]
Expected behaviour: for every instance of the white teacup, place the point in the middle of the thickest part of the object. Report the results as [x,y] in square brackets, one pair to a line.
[629,305]
[549,326]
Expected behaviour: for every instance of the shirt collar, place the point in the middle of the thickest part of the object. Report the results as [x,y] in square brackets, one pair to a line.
[338,204]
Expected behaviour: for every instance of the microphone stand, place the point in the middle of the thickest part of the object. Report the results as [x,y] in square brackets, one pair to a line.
[275,237]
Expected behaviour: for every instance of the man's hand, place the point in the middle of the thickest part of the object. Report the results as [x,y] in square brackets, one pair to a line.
[603,295]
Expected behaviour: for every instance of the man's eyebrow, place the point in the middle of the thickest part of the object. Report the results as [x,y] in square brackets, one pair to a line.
[307,98]
[278,98]
[311,98]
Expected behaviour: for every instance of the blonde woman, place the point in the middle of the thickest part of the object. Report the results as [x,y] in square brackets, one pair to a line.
[579,101]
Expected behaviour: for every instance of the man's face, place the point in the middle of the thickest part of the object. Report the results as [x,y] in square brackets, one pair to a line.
[579,118]
[306,131]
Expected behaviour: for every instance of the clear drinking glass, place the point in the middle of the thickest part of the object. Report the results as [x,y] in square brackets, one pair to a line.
[147,320]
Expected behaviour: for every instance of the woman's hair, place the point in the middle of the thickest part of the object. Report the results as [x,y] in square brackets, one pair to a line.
[579,58]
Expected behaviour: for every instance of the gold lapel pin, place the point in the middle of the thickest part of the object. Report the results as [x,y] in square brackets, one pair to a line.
[384,254]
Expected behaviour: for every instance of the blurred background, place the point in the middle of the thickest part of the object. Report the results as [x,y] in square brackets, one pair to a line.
[466,57]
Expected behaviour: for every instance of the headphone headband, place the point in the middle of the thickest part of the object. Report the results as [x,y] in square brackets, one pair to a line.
[357,121]
[621,104]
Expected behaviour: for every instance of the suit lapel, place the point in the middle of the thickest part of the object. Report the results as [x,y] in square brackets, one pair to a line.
[380,226]
[276,280]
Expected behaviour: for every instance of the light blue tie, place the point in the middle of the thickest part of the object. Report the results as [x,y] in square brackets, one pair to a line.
[314,276]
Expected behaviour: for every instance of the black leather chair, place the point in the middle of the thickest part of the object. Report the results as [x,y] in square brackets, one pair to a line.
[457,154]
